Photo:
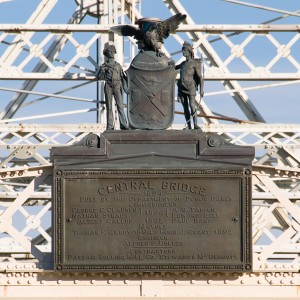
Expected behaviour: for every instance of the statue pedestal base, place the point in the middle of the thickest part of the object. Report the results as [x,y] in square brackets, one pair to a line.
[145,201]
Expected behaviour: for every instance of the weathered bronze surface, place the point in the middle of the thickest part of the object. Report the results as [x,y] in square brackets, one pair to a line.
[152,32]
[115,81]
[191,77]
[151,81]
[152,201]
[151,75]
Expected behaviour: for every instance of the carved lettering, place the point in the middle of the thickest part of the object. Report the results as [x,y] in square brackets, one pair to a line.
[148,220]
[220,198]
[85,232]
[152,237]
[194,232]
[222,256]
[111,256]
[125,186]
[223,231]
[87,199]
[183,187]
[82,257]
[114,232]
[203,221]
[180,221]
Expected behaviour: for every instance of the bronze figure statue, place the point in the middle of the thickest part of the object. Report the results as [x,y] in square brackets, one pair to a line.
[151,75]
[151,32]
[191,76]
[115,80]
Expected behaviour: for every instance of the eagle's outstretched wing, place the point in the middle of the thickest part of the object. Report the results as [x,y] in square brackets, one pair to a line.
[168,26]
[128,30]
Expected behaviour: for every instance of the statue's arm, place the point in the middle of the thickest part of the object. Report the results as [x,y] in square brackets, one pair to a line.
[200,74]
[177,67]
[124,80]
[101,73]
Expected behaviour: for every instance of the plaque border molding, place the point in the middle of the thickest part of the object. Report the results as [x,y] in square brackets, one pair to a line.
[63,173]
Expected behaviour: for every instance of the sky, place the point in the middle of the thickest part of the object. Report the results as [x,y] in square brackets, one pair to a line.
[276,104]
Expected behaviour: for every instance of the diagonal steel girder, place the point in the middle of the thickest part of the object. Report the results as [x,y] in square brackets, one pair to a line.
[37,17]
[28,85]
[213,59]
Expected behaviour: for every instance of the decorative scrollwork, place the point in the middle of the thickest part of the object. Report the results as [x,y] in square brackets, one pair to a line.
[215,141]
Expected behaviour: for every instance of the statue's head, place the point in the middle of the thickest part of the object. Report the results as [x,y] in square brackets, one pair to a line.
[109,48]
[188,48]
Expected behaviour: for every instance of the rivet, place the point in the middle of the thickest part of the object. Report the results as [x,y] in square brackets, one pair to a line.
[93,281]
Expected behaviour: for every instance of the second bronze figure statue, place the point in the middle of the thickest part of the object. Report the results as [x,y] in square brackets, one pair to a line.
[191,76]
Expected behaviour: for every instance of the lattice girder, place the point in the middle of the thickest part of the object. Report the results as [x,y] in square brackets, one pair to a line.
[275,191]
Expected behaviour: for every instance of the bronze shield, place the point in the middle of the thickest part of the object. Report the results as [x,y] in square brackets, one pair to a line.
[151,97]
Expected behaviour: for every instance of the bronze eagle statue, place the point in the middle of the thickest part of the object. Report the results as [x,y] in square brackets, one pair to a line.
[151,32]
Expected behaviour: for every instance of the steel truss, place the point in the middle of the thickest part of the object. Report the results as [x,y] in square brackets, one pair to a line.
[252,70]
[26,171]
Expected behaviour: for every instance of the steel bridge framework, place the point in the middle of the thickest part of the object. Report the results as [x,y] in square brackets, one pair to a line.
[34,52]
